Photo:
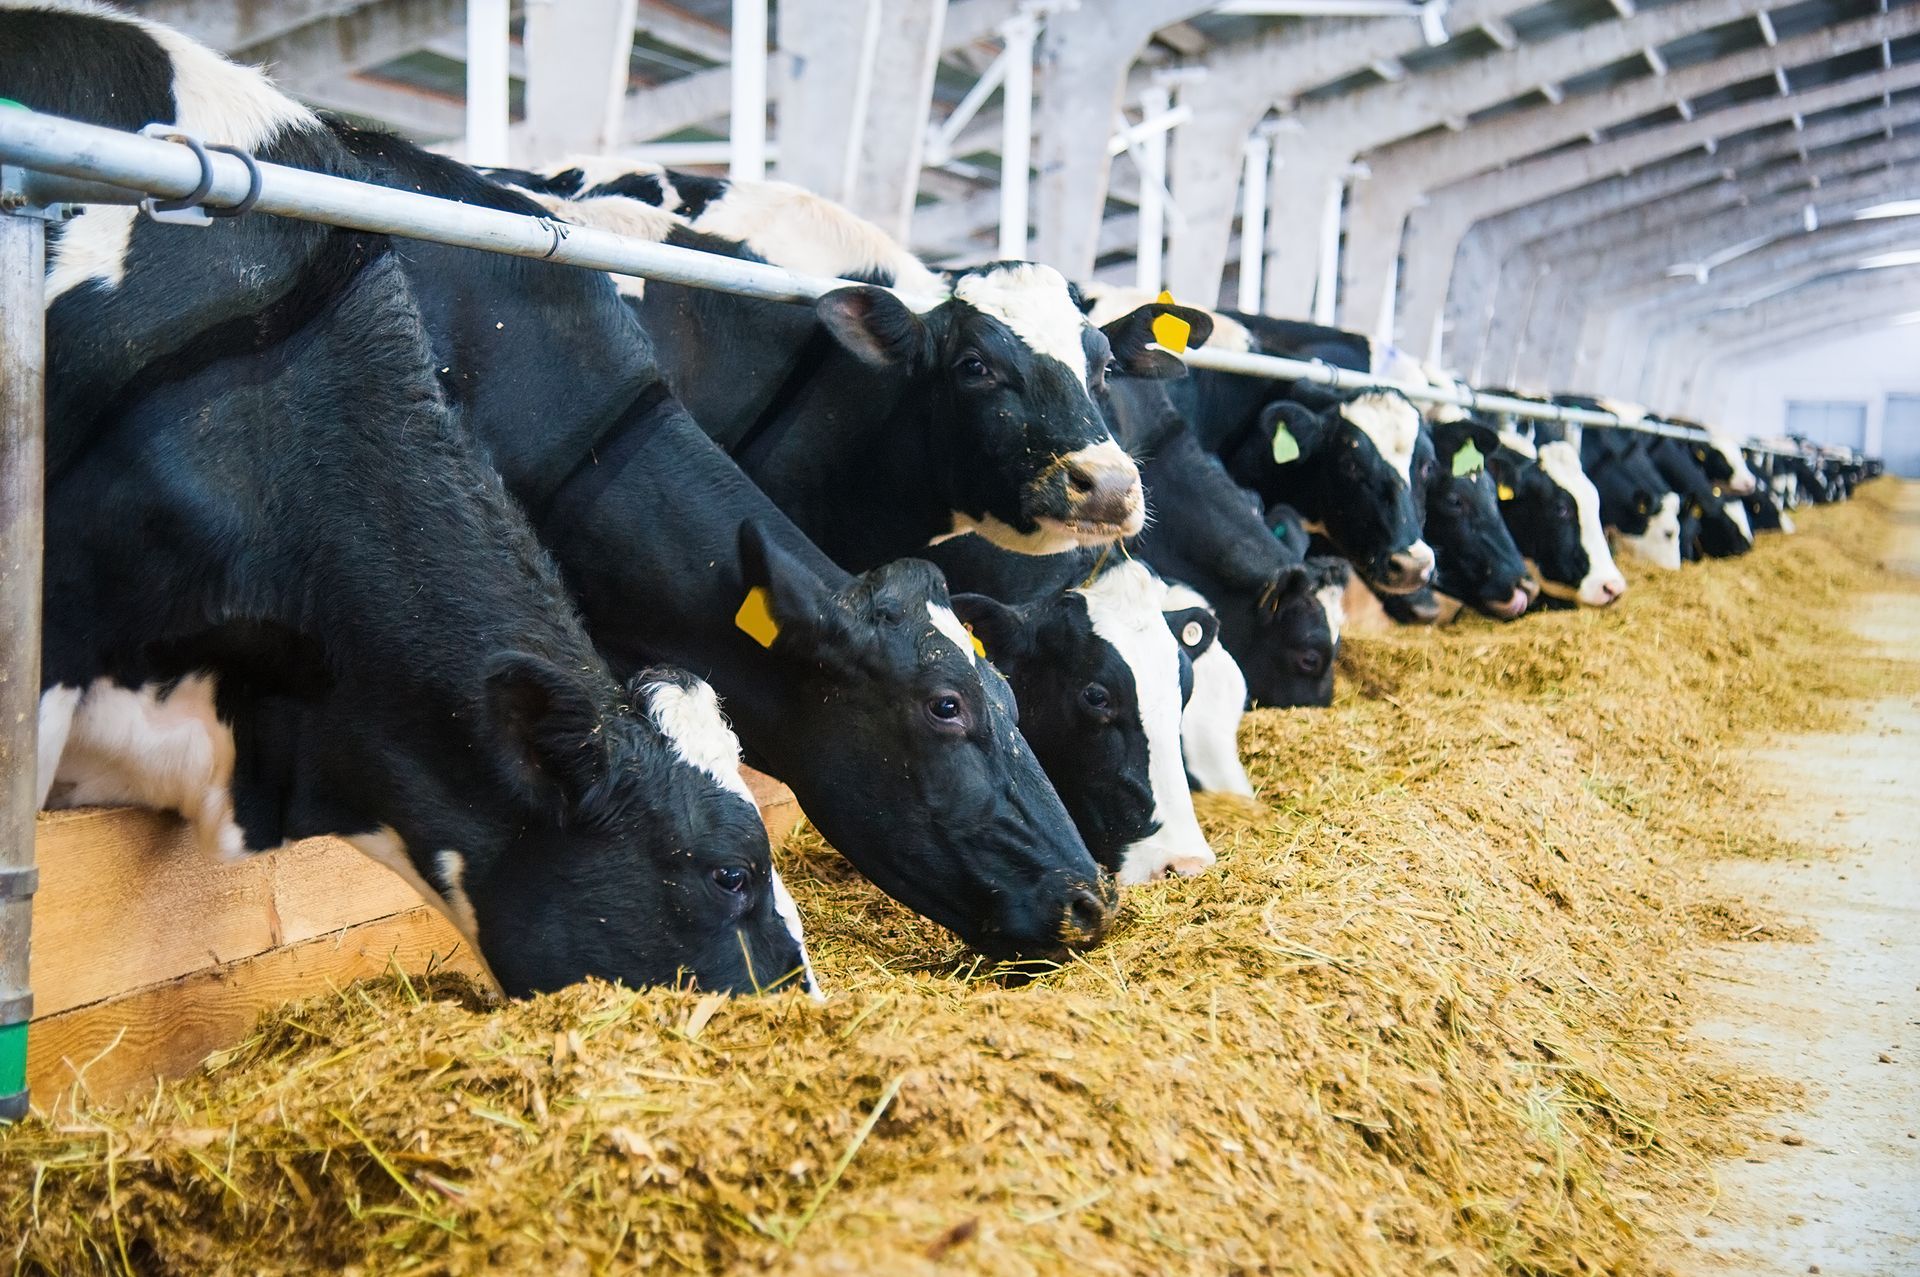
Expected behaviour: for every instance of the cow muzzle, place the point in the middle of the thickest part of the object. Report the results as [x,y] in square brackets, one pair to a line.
[1097,491]
[1512,606]
[1407,570]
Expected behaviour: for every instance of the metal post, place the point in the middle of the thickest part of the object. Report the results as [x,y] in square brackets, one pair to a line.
[1155,102]
[747,125]
[1016,142]
[1253,224]
[22,460]
[487,113]
[1329,285]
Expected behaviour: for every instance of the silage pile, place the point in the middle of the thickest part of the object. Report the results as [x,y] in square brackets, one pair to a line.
[1429,1016]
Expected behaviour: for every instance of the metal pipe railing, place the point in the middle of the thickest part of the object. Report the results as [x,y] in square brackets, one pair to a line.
[69,161]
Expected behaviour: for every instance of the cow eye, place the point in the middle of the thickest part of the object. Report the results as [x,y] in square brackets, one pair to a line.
[970,365]
[1095,695]
[946,710]
[1564,510]
[732,878]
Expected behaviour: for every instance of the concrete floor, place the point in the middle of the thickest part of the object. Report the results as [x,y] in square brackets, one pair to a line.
[1837,1188]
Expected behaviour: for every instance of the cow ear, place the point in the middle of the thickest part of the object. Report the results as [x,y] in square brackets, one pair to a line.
[784,596]
[1001,630]
[875,326]
[1484,437]
[547,725]
[1194,628]
[1294,429]
[1133,335]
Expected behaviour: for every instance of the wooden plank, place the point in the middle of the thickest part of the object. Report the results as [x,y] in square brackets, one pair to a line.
[127,900]
[167,1030]
[779,809]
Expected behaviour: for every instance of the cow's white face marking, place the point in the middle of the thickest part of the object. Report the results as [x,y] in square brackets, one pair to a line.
[1519,443]
[1033,302]
[1333,601]
[949,626]
[1210,723]
[451,868]
[1393,426]
[790,914]
[214,99]
[1660,543]
[1630,413]
[1737,511]
[1125,605]
[690,718]
[1743,482]
[1786,523]
[1560,462]
[152,748]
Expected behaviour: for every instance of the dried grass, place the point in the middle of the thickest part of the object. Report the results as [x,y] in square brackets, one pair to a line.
[1429,1016]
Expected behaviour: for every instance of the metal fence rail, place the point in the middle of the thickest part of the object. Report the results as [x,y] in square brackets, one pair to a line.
[68,161]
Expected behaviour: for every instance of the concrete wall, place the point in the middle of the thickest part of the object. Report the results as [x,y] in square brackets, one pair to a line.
[1860,368]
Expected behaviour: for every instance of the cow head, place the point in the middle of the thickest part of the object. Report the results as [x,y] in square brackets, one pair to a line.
[1553,511]
[981,843]
[1724,463]
[1348,468]
[1210,724]
[1286,646]
[637,853]
[1015,437]
[1630,485]
[1099,683]
[1476,560]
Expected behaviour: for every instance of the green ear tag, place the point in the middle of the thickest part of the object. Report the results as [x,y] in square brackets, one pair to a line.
[755,618]
[1468,460]
[1285,447]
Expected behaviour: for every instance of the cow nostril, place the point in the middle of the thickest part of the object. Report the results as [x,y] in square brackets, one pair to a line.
[1086,912]
[1079,482]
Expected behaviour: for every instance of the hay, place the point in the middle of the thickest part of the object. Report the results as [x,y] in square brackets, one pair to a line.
[1429,1016]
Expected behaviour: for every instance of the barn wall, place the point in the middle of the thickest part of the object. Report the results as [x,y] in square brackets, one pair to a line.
[1860,368]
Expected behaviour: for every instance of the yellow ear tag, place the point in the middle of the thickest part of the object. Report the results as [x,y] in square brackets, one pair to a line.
[979,648]
[1468,460]
[755,619]
[1285,447]
[1506,493]
[1171,331]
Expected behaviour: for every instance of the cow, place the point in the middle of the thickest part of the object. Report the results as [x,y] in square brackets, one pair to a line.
[1207,533]
[1101,683]
[1637,504]
[901,746]
[1210,723]
[340,623]
[1713,521]
[877,426]
[1553,511]
[1476,561]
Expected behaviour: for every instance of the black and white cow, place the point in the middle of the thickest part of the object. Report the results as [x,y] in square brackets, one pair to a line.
[1101,682]
[863,693]
[1206,532]
[1637,504]
[1713,520]
[1210,723]
[879,425]
[1476,561]
[343,625]
[1553,511]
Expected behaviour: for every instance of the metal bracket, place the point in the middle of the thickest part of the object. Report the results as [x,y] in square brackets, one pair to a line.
[189,210]
[15,202]
[16,1008]
[19,883]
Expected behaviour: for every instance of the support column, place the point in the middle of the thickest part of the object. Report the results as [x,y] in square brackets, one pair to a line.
[896,129]
[1305,188]
[1016,93]
[1253,223]
[826,69]
[1205,180]
[1152,156]
[1377,212]
[577,55]
[1433,240]
[23,359]
[1476,279]
[747,91]
[487,115]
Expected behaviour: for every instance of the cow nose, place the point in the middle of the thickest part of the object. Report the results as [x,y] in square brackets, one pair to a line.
[1410,569]
[1087,916]
[1103,487]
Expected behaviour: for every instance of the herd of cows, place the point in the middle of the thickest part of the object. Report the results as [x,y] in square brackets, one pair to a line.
[449,553]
